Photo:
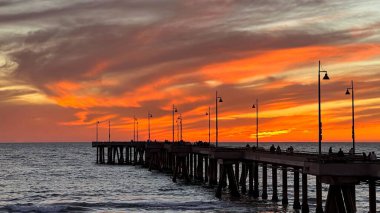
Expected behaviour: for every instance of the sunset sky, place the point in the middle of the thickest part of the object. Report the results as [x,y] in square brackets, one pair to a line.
[66,64]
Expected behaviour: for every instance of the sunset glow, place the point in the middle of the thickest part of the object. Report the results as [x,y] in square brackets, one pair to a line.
[61,72]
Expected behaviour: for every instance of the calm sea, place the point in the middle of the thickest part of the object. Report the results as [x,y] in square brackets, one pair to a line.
[63,177]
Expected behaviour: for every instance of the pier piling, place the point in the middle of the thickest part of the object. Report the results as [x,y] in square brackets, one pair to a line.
[285,201]
[274,183]
[296,204]
[264,195]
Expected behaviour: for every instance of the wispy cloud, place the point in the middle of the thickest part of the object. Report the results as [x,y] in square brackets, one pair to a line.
[72,63]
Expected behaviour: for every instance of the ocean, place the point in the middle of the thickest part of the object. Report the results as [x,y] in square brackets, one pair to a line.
[63,177]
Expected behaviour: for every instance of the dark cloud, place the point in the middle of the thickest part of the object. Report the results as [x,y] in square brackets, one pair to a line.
[67,51]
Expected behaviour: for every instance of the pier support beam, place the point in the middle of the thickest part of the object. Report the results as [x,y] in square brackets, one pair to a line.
[274,183]
[233,186]
[102,155]
[305,205]
[264,196]
[226,170]
[340,198]
[134,155]
[349,197]
[200,167]
[121,156]
[191,165]
[319,194]
[222,180]
[141,156]
[372,196]
[195,166]
[296,204]
[285,200]
[243,178]
[130,154]
[180,168]
[97,155]
[250,178]
[213,172]
[256,179]
[114,153]
[109,155]
[237,170]
[206,169]
[127,155]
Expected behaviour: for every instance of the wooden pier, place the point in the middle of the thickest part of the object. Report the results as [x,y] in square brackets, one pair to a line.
[231,167]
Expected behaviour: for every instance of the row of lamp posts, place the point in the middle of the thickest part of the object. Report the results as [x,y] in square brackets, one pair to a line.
[219,99]
[326,77]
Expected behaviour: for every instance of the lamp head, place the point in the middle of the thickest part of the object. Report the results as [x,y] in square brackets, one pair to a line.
[220,100]
[348,92]
[206,113]
[175,110]
[253,106]
[326,77]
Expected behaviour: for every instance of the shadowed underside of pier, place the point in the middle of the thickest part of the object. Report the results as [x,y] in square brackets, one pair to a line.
[231,167]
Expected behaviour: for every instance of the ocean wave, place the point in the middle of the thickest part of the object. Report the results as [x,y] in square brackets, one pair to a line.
[36,208]
[86,206]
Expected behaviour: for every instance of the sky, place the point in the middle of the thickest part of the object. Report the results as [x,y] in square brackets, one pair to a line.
[64,65]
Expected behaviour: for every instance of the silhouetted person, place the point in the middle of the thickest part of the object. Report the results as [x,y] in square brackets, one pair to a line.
[290,149]
[340,153]
[364,156]
[272,148]
[372,156]
[351,151]
[247,145]
[278,150]
[330,150]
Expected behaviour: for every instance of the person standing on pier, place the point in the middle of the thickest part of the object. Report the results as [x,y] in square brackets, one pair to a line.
[272,148]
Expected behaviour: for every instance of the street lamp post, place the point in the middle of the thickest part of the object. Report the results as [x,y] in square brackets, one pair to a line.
[177,122]
[135,129]
[217,99]
[180,127]
[149,116]
[257,121]
[109,130]
[325,77]
[209,125]
[353,113]
[97,131]
[173,111]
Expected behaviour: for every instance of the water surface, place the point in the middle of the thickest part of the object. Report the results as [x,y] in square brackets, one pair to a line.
[63,177]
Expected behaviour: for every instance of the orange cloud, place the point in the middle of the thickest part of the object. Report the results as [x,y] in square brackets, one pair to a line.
[274,61]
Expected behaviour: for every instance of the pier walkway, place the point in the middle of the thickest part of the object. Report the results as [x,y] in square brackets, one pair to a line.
[237,168]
